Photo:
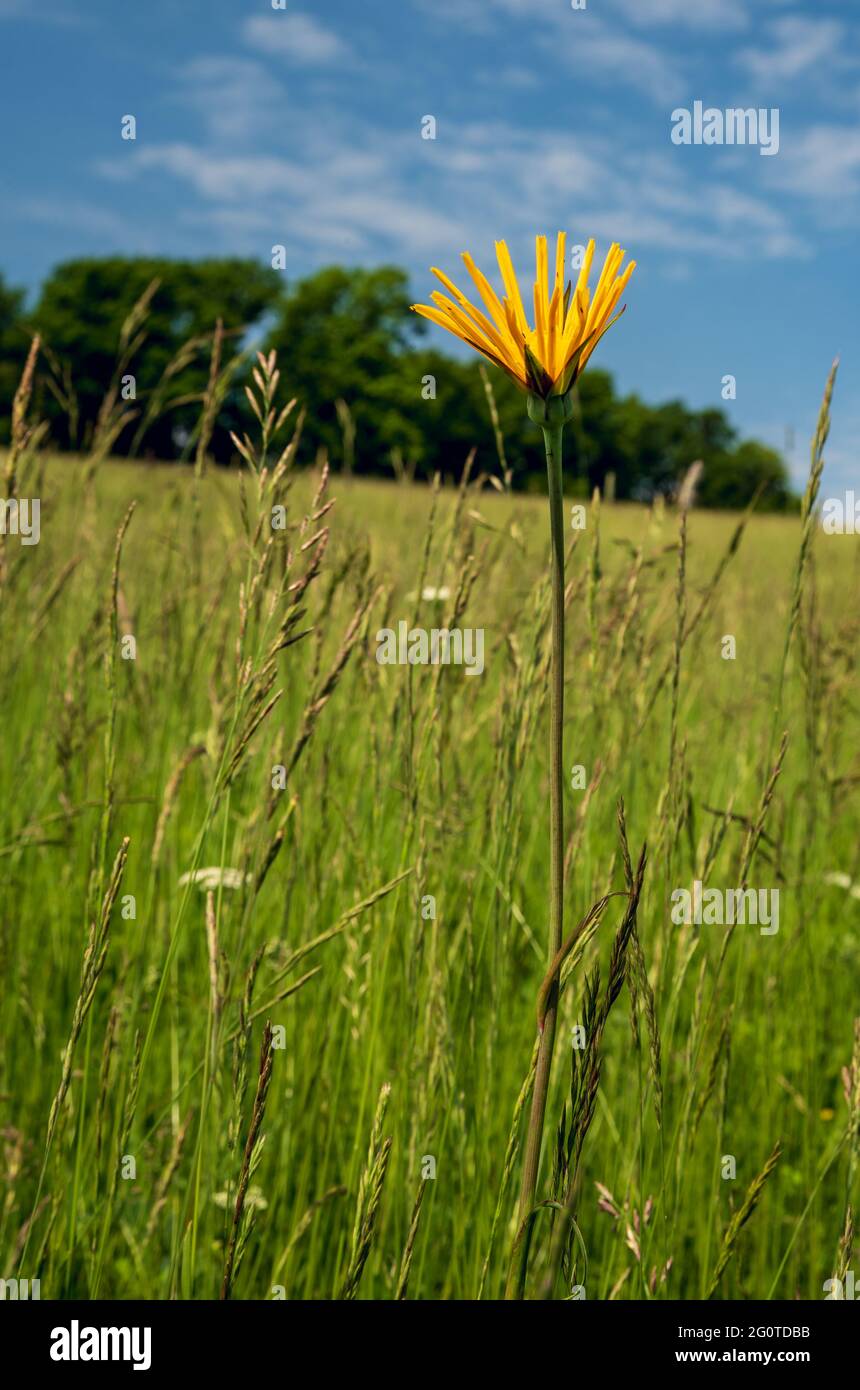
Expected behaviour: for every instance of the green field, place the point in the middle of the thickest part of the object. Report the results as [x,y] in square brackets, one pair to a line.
[387,915]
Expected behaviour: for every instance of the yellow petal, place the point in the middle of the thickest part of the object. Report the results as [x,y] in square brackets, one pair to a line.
[585,268]
[465,304]
[552,335]
[611,293]
[539,336]
[607,321]
[512,289]
[614,257]
[557,319]
[444,320]
[487,293]
[541,298]
[464,318]
[577,317]
[556,337]
[541,269]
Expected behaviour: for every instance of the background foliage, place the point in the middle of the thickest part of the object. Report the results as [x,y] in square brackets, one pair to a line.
[352,352]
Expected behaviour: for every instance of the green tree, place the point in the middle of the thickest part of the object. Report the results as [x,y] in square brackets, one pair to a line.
[14,341]
[84,303]
[732,478]
[341,335]
[347,337]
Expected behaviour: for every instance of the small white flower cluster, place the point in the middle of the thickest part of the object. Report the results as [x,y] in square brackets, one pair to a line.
[839,880]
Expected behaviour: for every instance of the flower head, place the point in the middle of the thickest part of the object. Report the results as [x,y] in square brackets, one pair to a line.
[568,322]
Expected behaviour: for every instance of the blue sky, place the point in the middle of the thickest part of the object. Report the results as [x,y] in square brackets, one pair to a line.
[303,127]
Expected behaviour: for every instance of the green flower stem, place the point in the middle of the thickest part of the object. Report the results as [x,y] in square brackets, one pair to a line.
[552,433]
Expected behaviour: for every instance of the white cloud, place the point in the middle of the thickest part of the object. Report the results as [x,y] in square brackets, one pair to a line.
[797,44]
[740,214]
[593,46]
[271,166]
[296,37]
[59,13]
[234,97]
[696,14]
[475,15]
[219,177]
[238,98]
[823,164]
[359,189]
[336,198]
[92,219]
[510,75]
[601,50]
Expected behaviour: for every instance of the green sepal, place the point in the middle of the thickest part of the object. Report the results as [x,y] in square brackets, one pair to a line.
[538,379]
[550,412]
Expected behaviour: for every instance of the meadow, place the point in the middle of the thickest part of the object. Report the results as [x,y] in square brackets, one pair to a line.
[305,1073]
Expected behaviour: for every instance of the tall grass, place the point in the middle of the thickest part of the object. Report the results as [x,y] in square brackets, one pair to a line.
[272,930]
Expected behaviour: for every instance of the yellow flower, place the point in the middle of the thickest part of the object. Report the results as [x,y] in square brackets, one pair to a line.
[568,324]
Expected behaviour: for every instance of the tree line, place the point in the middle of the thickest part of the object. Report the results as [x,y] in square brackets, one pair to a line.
[170,345]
